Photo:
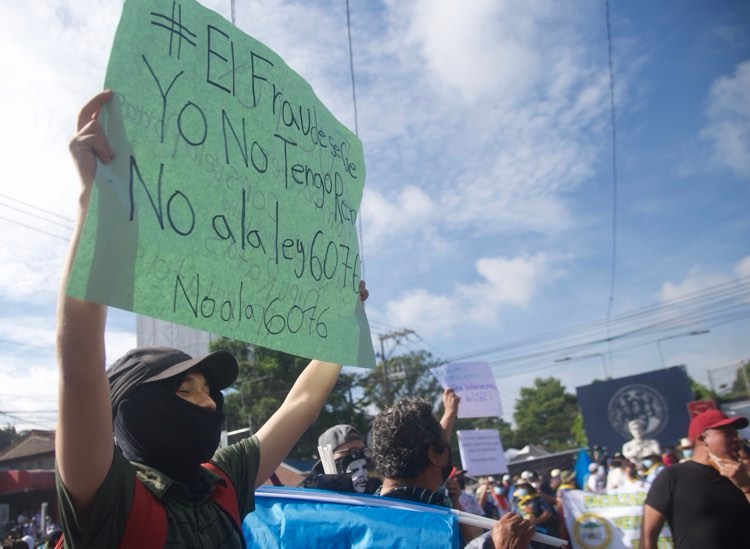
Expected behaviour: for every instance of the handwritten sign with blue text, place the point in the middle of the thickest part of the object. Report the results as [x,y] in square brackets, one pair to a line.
[474,383]
[231,204]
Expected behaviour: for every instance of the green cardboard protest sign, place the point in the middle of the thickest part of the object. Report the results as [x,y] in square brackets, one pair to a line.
[231,205]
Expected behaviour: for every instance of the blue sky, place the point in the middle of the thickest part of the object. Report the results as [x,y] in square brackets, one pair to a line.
[487,219]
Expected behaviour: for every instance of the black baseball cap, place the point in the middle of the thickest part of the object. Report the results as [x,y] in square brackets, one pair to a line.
[155,363]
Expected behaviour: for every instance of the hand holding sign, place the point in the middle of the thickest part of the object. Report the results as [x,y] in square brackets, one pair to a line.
[231,203]
[474,385]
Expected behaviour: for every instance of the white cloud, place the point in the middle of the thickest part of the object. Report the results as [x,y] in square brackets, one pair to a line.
[505,282]
[495,107]
[729,120]
[478,47]
[742,269]
[409,211]
[697,280]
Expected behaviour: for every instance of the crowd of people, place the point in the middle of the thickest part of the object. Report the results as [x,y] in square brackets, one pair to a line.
[537,496]
[144,434]
[31,531]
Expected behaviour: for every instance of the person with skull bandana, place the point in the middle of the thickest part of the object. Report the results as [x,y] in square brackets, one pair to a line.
[352,459]
[164,409]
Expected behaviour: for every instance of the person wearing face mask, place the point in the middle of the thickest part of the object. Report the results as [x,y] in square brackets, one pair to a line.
[652,466]
[152,419]
[529,503]
[686,449]
[706,500]
[410,449]
[352,459]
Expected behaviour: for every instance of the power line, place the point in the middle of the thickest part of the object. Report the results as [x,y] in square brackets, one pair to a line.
[20,344]
[714,304]
[19,210]
[356,131]
[33,228]
[614,162]
[37,208]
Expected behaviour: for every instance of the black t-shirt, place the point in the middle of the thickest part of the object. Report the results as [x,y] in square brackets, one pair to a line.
[704,509]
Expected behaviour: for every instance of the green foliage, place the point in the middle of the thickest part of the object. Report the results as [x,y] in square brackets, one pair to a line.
[700,391]
[545,415]
[8,436]
[579,432]
[265,378]
[417,381]
[508,436]
[739,386]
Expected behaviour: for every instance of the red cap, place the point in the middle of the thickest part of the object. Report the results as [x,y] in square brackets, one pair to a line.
[711,419]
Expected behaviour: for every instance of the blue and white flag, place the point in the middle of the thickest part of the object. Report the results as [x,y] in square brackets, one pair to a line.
[295,517]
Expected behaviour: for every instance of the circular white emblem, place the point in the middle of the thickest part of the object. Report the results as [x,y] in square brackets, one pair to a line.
[639,402]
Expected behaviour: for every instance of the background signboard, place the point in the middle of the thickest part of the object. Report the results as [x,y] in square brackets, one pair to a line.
[658,398]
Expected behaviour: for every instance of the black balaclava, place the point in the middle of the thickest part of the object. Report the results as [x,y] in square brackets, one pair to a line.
[156,427]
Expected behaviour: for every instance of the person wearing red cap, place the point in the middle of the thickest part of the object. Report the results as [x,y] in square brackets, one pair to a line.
[164,409]
[705,500]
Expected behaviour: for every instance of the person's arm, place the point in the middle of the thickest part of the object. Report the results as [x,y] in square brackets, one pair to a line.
[450,405]
[84,440]
[298,412]
[651,526]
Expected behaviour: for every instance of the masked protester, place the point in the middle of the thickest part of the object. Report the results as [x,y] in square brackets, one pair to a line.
[352,459]
[153,418]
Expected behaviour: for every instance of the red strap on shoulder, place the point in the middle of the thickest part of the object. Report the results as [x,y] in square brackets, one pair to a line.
[146,526]
[224,495]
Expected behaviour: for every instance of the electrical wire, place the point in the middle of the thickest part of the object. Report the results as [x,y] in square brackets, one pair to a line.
[356,132]
[713,304]
[33,228]
[28,205]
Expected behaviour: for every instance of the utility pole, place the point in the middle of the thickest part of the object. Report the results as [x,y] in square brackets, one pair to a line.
[383,337]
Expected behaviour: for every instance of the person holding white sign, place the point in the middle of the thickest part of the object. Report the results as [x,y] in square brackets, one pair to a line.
[164,408]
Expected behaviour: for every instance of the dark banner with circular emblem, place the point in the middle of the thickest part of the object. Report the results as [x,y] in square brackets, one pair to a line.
[654,402]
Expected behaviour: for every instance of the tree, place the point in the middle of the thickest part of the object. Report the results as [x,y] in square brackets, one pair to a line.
[579,431]
[417,381]
[545,414]
[508,437]
[265,378]
[8,436]
[700,391]
[739,387]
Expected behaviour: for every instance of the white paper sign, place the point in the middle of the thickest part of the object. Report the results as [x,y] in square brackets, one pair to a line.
[481,452]
[475,384]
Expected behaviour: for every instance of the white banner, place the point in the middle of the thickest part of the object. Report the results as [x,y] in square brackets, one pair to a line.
[481,452]
[610,520]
